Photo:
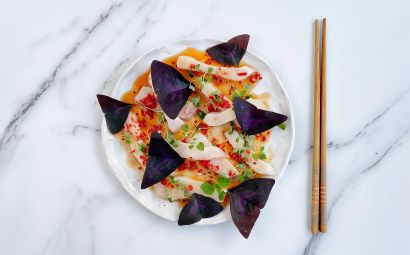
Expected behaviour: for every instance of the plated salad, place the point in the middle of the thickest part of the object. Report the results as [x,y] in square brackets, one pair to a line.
[198,134]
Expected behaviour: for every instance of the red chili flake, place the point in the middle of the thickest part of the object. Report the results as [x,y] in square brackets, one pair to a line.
[205,163]
[184,140]
[149,101]
[264,138]
[141,123]
[242,74]
[230,173]
[217,79]
[256,76]
[247,152]
[236,156]
[208,61]
[148,112]
[203,128]
[211,108]
[224,104]
[141,136]
[190,187]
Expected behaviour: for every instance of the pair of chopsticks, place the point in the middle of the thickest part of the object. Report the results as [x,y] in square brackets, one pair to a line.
[319,186]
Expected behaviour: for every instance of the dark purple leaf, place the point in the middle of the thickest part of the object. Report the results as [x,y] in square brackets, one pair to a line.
[231,52]
[253,120]
[116,112]
[171,88]
[162,161]
[199,207]
[246,200]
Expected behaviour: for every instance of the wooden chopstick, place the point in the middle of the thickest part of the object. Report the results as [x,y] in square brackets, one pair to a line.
[316,135]
[323,173]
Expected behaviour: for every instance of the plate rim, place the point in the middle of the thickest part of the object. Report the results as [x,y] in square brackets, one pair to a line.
[126,71]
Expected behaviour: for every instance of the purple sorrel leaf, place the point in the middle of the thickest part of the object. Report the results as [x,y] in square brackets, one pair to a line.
[231,52]
[253,120]
[246,200]
[199,207]
[162,161]
[116,112]
[171,88]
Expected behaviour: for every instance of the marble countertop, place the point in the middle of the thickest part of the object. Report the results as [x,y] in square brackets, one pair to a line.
[58,195]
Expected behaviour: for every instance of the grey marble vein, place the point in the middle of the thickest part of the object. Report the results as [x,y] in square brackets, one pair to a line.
[77,128]
[362,132]
[315,239]
[10,131]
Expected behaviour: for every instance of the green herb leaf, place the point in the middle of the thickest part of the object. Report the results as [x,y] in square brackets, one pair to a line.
[141,147]
[172,179]
[184,127]
[255,156]
[200,146]
[237,140]
[230,130]
[196,67]
[201,115]
[191,146]
[223,181]
[282,126]
[195,101]
[246,175]
[235,94]
[221,195]
[191,74]
[207,188]
[243,92]
[210,70]
[127,138]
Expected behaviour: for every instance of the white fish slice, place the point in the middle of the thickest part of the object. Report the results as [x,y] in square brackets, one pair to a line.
[178,194]
[209,151]
[229,73]
[259,165]
[132,128]
[219,118]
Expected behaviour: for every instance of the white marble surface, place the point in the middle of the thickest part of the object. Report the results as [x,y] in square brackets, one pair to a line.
[58,196]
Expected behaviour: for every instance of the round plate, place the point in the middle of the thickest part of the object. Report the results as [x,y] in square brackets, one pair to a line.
[281,142]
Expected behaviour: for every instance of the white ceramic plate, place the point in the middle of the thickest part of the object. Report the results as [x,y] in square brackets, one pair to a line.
[281,142]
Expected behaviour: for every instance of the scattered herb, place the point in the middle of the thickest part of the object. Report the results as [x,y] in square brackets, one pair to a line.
[221,195]
[207,188]
[191,74]
[210,70]
[237,140]
[196,67]
[142,147]
[184,127]
[127,138]
[223,181]
[201,115]
[246,175]
[282,126]
[235,94]
[195,101]
[191,146]
[200,146]
[262,154]
[255,156]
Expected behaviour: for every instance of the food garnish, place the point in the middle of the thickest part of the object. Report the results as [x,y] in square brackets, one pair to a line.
[115,112]
[162,161]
